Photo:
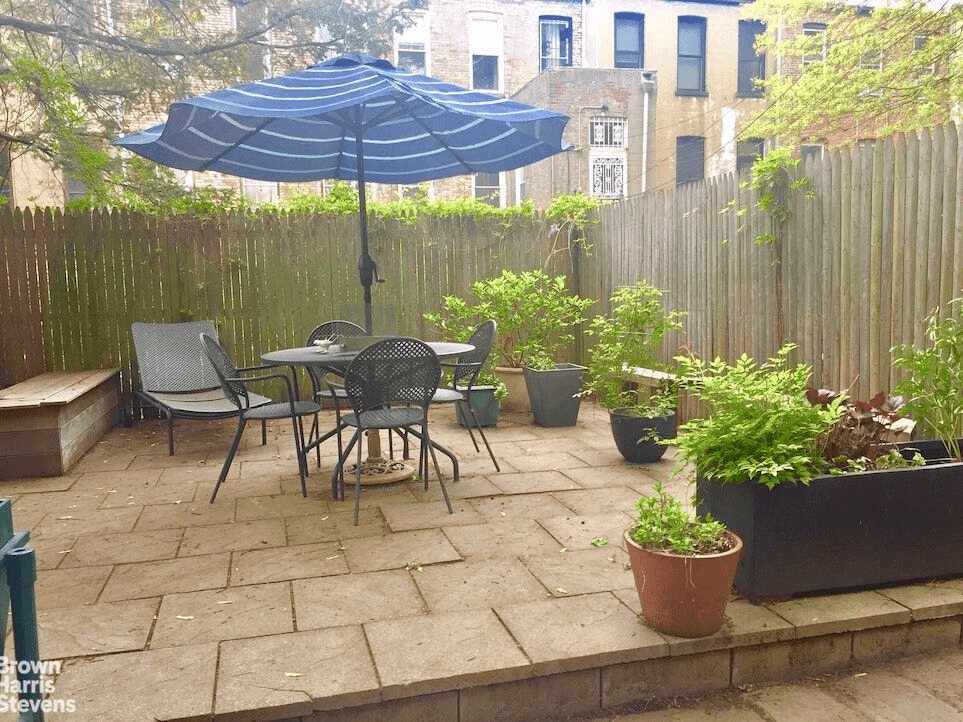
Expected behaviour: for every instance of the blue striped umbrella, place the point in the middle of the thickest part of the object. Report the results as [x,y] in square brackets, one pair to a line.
[354,118]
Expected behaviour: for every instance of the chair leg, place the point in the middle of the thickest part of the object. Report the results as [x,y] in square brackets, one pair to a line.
[484,438]
[426,441]
[302,457]
[337,476]
[170,433]
[241,421]
[465,405]
[357,487]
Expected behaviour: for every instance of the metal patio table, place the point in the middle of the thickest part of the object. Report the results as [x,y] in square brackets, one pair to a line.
[338,363]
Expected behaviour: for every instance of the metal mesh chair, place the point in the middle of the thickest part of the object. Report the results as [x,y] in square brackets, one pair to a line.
[176,377]
[328,386]
[390,385]
[234,387]
[465,372]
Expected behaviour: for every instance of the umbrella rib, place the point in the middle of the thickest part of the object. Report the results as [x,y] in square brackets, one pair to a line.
[240,142]
[441,143]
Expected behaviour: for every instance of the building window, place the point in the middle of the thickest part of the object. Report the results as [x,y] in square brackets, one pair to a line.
[815,48]
[747,151]
[555,37]
[811,150]
[412,46]
[606,131]
[608,176]
[256,60]
[521,190]
[691,77]
[76,189]
[919,44]
[629,40]
[259,191]
[689,158]
[488,188]
[6,185]
[752,65]
[485,43]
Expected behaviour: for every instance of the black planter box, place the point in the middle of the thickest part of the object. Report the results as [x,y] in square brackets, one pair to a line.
[860,530]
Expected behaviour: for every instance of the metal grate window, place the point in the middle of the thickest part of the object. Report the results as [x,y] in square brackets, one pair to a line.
[608,176]
[606,131]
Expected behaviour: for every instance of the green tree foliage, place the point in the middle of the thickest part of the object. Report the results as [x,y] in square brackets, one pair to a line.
[886,69]
[73,72]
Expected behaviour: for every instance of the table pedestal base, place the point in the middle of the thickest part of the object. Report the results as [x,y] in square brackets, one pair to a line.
[376,469]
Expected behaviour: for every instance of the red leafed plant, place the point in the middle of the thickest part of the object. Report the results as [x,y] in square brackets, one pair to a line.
[865,433]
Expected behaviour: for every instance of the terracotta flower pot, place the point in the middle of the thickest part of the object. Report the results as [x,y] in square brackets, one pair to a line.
[684,596]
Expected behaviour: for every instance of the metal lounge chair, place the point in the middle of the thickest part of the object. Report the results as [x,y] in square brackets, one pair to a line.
[465,372]
[176,377]
[235,385]
[390,385]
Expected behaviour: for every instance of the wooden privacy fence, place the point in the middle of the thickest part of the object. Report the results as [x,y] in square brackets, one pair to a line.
[72,284]
[872,244]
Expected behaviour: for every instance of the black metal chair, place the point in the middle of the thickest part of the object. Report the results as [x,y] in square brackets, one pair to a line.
[390,385]
[465,372]
[235,388]
[328,386]
[176,377]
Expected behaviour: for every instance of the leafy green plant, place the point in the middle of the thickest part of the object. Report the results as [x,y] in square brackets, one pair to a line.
[661,523]
[535,314]
[759,424]
[935,383]
[630,337]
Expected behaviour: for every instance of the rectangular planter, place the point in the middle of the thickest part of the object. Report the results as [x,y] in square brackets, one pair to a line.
[552,394]
[859,530]
[483,401]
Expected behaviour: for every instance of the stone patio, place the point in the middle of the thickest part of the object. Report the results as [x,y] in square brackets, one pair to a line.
[268,606]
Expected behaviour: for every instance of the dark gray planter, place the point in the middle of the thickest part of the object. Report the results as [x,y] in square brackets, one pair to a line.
[852,531]
[485,405]
[627,430]
[552,394]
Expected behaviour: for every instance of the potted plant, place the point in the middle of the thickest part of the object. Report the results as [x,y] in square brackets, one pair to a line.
[485,398]
[628,340]
[683,566]
[772,462]
[536,315]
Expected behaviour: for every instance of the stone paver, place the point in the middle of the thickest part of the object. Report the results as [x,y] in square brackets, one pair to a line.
[511,607]
[427,654]
[153,685]
[213,615]
[287,675]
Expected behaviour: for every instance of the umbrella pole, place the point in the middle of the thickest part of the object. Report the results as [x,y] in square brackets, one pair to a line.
[366,266]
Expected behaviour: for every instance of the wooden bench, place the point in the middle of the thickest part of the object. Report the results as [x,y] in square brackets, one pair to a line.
[49,421]
[645,380]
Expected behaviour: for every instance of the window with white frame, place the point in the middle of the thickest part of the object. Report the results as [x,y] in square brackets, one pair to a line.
[555,47]
[485,48]
[521,191]
[811,150]
[411,52]
[259,191]
[919,45]
[488,188]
